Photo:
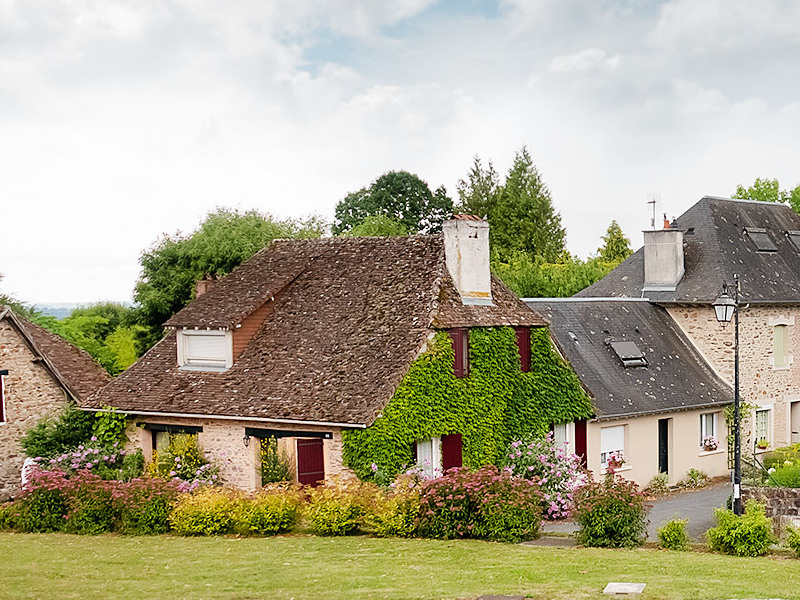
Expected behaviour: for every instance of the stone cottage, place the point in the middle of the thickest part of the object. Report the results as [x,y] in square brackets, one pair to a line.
[682,269]
[40,373]
[353,353]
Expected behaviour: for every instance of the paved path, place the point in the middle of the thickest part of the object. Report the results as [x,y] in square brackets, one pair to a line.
[695,506]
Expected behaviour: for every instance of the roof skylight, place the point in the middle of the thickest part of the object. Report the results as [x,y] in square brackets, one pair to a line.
[794,238]
[761,239]
[629,354]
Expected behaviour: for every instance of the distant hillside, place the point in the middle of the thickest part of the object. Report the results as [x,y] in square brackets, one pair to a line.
[59,310]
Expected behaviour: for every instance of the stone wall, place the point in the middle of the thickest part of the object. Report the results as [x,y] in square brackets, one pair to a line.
[222,441]
[782,505]
[30,393]
[761,382]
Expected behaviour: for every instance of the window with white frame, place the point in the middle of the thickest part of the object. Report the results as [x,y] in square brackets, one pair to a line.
[780,346]
[429,456]
[708,430]
[762,425]
[205,350]
[564,435]
[612,441]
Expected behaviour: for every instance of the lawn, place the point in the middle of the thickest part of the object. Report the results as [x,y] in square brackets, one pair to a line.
[65,566]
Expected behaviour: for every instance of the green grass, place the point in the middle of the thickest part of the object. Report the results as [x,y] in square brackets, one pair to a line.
[64,566]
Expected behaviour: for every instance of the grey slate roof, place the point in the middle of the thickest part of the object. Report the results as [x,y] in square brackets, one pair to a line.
[715,248]
[676,376]
[350,315]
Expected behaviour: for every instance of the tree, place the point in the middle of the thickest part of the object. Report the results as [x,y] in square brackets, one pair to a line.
[377,225]
[225,239]
[478,194]
[523,218]
[616,247]
[768,190]
[534,277]
[399,195]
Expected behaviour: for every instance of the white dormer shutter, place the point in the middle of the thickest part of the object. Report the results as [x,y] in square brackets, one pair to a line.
[205,349]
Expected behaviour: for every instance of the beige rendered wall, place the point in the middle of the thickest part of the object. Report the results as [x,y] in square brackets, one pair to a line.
[761,382]
[641,446]
[31,393]
[222,442]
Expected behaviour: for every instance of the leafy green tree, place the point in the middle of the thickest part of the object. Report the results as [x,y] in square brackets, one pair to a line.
[225,239]
[520,210]
[534,277]
[377,225]
[399,195]
[768,190]
[616,247]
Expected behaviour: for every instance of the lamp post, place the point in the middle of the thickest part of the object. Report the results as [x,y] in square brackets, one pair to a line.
[725,307]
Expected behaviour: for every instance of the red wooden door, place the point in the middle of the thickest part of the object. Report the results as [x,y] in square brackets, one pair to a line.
[310,461]
[451,451]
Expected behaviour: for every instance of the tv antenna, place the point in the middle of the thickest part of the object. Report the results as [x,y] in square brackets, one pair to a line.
[653,198]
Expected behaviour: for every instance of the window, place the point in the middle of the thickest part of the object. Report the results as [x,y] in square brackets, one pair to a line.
[612,440]
[429,456]
[524,347]
[762,428]
[708,428]
[3,373]
[460,339]
[205,350]
[761,239]
[629,354]
[794,239]
[780,346]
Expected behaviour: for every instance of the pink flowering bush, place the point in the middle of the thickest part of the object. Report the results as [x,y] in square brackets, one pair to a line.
[108,461]
[487,503]
[143,505]
[557,472]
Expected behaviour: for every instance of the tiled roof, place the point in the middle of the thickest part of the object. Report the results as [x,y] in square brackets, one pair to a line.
[717,246]
[74,368]
[676,376]
[351,316]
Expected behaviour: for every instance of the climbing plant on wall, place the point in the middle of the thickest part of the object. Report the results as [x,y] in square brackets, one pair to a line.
[494,405]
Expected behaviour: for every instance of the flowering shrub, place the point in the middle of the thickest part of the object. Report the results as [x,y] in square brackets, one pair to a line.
[487,503]
[273,510]
[143,505]
[749,534]
[611,513]
[396,511]
[207,511]
[337,506]
[710,442]
[107,461]
[615,461]
[547,463]
[183,459]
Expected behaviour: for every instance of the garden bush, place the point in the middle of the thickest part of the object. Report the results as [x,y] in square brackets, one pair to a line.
[183,459]
[672,535]
[396,512]
[338,506]
[786,476]
[747,535]
[659,485]
[611,513]
[143,505]
[91,510]
[781,456]
[488,503]
[274,465]
[270,511]
[107,461]
[793,539]
[546,462]
[206,511]
[694,479]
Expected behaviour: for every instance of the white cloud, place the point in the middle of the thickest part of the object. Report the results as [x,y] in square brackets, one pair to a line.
[583,61]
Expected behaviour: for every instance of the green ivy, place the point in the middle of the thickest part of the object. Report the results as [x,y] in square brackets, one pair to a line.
[496,404]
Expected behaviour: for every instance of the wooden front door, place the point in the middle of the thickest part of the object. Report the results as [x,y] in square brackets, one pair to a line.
[310,461]
[451,451]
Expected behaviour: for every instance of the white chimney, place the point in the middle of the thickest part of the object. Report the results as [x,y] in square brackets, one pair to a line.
[466,249]
[663,259]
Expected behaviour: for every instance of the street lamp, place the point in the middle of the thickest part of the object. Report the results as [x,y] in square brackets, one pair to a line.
[725,307]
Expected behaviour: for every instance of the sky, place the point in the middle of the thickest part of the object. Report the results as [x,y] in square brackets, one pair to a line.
[121,121]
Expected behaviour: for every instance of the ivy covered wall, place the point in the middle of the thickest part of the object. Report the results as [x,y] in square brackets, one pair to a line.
[496,404]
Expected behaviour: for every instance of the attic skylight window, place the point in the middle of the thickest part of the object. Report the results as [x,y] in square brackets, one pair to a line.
[794,238]
[761,239]
[629,354]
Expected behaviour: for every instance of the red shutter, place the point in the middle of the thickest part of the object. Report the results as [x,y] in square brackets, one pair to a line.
[310,461]
[580,440]
[524,347]
[460,339]
[451,451]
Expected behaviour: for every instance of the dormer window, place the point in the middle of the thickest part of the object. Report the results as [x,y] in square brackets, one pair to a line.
[794,238]
[205,350]
[761,239]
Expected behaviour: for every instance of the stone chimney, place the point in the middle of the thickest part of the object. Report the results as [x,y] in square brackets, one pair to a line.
[466,249]
[204,285]
[663,258]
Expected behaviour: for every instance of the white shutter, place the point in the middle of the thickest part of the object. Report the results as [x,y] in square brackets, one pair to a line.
[205,349]
[612,439]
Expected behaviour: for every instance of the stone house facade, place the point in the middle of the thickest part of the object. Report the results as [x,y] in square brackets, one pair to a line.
[683,268]
[40,373]
[308,339]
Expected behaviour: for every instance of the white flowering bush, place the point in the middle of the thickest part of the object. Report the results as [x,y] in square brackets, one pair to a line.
[557,471]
